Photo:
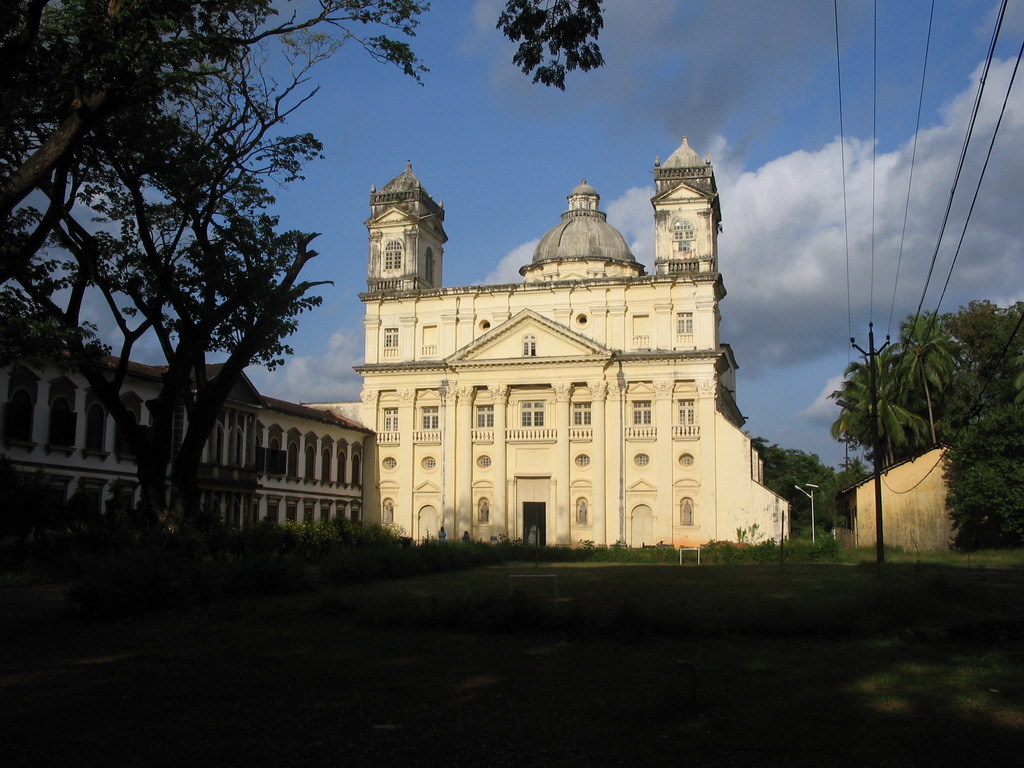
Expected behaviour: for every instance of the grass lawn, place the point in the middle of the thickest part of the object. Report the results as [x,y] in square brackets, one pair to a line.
[631,665]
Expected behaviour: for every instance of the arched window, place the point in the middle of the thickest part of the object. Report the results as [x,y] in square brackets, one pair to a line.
[310,462]
[325,465]
[62,423]
[293,459]
[683,229]
[18,423]
[356,478]
[393,255]
[122,442]
[95,427]
[483,514]
[686,512]
[341,467]
[529,345]
[237,457]
[428,267]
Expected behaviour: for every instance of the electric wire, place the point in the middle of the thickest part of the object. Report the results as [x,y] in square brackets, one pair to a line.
[981,177]
[842,160]
[874,150]
[963,154]
[913,157]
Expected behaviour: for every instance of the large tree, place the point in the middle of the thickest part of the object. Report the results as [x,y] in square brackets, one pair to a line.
[141,146]
[924,363]
[901,430]
[986,480]
[987,339]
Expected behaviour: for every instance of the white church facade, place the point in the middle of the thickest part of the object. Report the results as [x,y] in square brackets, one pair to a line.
[591,402]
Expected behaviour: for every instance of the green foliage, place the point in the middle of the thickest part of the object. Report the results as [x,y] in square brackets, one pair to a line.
[986,339]
[565,30]
[787,468]
[24,508]
[901,431]
[986,480]
[825,549]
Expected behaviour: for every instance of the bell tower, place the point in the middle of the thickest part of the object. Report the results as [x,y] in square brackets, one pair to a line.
[406,229]
[687,216]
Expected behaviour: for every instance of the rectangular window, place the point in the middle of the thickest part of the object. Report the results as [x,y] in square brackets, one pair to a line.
[429,417]
[533,413]
[390,419]
[484,416]
[684,323]
[642,413]
[390,338]
[687,413]
[581,414]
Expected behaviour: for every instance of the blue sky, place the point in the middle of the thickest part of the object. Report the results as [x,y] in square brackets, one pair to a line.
[754,85]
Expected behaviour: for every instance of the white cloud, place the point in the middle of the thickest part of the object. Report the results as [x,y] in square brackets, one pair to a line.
[507,270]
[631,215]
[823,408]
[309,378]
[786,234]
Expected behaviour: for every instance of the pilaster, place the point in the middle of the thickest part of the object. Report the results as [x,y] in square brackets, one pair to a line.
[563,500]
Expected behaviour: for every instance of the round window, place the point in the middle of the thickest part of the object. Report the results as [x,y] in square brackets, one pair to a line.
[582,319]
[485,325]
[686,460]
[429,462]
[583,460]
[484,461]
[390,462]
[642,459]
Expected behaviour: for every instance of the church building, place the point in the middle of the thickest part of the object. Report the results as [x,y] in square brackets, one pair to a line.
[591,402]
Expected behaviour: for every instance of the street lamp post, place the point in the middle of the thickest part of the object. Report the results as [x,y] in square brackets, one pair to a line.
[810,495]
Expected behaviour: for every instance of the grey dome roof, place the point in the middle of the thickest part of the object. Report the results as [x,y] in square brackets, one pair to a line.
[403,182]
[684,157]
[584,233]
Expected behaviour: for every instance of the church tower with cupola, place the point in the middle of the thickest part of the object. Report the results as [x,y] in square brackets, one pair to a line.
[590,402]
[687,214]
[407,236]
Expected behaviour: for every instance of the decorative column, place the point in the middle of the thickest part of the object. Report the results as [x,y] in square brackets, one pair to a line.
[464,470]
[708,498]
[406,457]
[563,490]
[449,442]
[500,509]
[664,461]
[615,478]
[600,453]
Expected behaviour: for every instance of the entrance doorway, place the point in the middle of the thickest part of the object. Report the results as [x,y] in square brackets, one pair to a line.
[534,513]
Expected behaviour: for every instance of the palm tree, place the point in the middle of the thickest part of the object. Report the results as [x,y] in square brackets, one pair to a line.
[900,429]
[925,359]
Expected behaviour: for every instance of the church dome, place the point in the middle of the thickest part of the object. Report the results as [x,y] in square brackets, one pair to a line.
[584,233]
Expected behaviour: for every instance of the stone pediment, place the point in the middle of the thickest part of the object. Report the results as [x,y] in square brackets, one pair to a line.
[428,486]
[391,217]
[683,192]
[551,342]
[641,486]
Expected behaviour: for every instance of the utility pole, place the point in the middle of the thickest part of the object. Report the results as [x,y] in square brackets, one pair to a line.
[876,447]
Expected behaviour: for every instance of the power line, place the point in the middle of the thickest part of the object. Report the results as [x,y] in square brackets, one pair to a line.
[842,156]
[963,153]
[913,157]
[981,176]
